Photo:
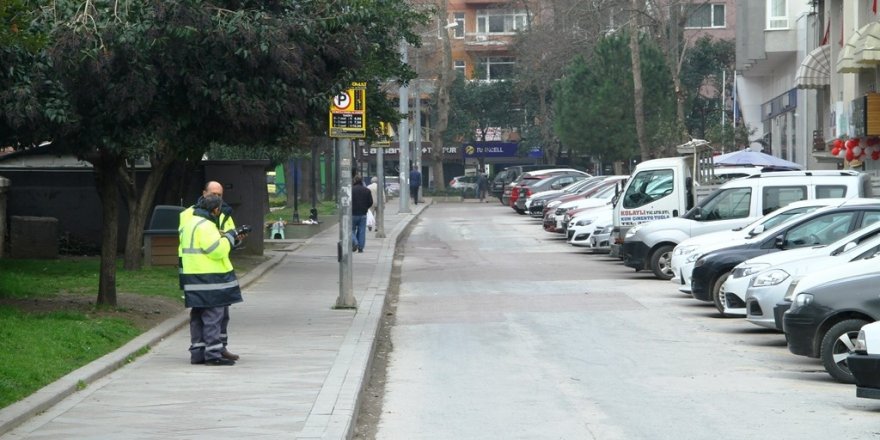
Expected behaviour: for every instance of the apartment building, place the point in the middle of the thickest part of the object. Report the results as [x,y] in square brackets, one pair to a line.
[807,80]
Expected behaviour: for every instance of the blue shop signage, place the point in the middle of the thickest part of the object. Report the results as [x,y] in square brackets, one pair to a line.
[489,149]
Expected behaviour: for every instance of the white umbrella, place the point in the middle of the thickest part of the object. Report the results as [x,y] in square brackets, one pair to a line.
[755,158]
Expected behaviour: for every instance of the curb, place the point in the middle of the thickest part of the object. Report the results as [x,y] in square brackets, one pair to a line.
[46,397]
[334,413]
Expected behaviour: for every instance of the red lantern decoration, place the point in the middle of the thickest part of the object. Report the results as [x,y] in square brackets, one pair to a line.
[835,151]
[851,143]
[849,156]
[873,141]
[838,144]
[875,155]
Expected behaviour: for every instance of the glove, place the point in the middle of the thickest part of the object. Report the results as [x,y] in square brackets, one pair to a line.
[230,235]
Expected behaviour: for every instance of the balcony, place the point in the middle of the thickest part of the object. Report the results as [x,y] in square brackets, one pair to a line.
[487,42]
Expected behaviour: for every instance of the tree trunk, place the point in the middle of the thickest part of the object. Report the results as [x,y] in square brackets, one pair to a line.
[547,140]
[444,82]
[638,92]
[106,180]
[140,203]
[675,57]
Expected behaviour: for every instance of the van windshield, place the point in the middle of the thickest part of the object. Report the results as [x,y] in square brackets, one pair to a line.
[648,186]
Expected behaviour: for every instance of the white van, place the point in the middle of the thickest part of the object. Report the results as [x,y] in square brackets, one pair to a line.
[665,188]
[735,204]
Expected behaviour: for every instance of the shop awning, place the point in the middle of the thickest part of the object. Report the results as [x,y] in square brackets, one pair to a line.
[868,48]
[815,70]
[846,62]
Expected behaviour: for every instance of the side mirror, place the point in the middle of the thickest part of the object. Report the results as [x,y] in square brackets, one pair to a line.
[756,230]
[698,213]
[780,241]
[849,246]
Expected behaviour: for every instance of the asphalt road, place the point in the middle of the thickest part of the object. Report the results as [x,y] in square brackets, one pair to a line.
[505,331]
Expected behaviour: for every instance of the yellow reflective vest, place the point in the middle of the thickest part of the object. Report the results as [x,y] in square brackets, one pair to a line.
[206,272]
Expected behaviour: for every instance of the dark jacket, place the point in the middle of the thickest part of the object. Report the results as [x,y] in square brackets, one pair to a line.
[415,178]
[361,199]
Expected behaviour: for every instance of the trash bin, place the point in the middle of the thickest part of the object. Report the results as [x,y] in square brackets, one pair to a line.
[161,237]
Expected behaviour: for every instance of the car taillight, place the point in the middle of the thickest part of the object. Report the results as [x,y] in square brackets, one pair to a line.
[528,192]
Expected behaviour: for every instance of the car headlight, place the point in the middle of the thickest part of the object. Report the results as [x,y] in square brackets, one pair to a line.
[693,257]
[803,299]
[584,222]
[745,270]
[683,250]
[771,278]
[553,203]
[700,262]
[632,231]
[861,344]
[790,292]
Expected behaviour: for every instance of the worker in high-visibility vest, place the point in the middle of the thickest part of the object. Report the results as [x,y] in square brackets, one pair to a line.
[209,281]
[225,223]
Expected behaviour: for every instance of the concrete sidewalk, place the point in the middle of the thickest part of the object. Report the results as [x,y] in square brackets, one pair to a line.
[302,367]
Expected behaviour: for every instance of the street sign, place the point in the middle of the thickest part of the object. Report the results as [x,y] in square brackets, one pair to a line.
[348,112]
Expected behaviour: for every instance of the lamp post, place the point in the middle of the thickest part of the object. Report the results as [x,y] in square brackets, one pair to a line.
[403,136]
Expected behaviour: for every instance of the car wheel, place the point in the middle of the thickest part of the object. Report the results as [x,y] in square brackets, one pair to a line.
[660,262]
[837,344]
[717,297]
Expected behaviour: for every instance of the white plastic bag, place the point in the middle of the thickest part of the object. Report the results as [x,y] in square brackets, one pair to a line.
[371,219]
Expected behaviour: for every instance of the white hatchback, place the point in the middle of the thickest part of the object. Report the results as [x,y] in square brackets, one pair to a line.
[688,251]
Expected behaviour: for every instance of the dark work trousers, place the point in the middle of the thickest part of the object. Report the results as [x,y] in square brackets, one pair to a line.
[414,191]
[224,324]
[204,330]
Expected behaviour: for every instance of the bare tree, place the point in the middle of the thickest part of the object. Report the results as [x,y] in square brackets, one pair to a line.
[638,91]
[445,78]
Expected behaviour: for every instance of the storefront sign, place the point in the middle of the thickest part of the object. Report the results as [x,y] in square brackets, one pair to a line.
[490,149]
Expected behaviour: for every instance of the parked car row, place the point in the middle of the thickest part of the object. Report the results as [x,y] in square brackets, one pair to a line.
[793,251]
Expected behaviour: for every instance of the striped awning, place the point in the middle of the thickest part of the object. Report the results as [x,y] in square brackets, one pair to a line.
[868,48]
[846,62]
[815,70]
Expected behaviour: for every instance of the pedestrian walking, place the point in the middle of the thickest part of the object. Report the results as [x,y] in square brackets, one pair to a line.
[415,182]
[374,189]
[209,281]
[224,223]
[361,202]
[482,186]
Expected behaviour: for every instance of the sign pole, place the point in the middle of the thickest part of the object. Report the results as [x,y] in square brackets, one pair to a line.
[346,299]
[348,120]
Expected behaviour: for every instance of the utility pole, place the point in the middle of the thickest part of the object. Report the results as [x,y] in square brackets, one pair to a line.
[403,136]
[417,122]
[380,193]
[346,298]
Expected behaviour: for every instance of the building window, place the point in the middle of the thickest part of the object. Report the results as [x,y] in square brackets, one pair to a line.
[705,16]
[459,67]
[495,21]
[459,25]
[777,14]
[494,68]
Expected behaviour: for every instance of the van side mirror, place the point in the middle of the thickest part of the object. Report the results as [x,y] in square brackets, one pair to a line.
[780,241]
[698,213]
[756,230]
[849,246]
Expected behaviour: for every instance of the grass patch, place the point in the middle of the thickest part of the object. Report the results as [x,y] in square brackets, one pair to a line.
[30,278]
[37,349]
[324,209]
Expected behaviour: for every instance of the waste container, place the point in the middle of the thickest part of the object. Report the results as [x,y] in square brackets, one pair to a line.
[161,237]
